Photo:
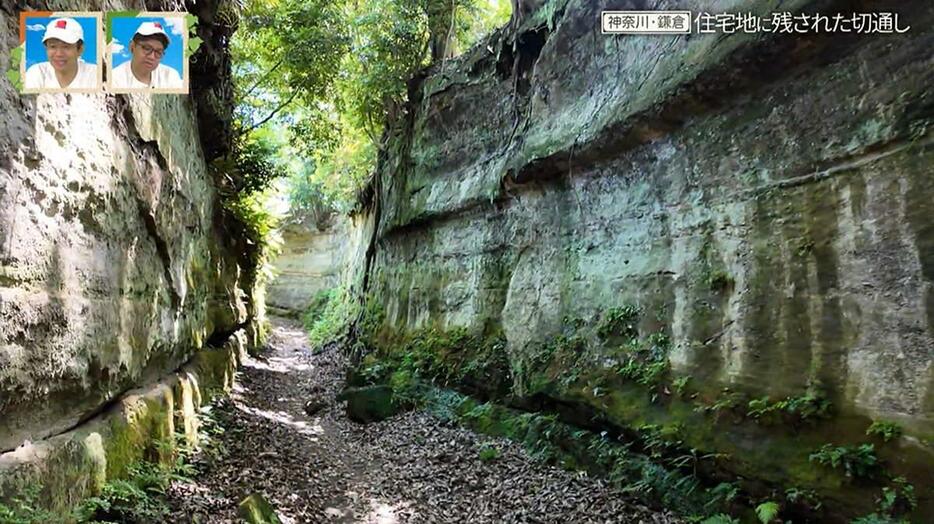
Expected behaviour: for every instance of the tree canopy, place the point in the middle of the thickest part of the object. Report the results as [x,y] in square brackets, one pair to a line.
[317,80]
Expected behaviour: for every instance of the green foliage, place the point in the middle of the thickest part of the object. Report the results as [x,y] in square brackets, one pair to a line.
[566,352]
[875,518]
[317,306]
[727,401]
[485,17]
[444,404]
[331,74]
[760,407]
[286,51]
[140,497]
[646,362]
[679,384]
[137,499]
[25,508]
[856,461]
[405,390]
[805,497]
[662,475]
[719,280]
[488,453]
[806,408]
[721,495]
[659,440]
[342,170]
[440,357]
[329,316]
[251,166]
[898,499]
[885,430]
[767,512]
[255,227]
[621,322]
[309,197]
[720,519]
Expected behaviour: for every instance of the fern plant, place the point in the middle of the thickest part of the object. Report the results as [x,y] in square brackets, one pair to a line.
[25,508]
[767,511]
[720,518]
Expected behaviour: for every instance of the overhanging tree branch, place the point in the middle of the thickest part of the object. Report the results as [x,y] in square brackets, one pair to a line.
[265,75]
[273,113]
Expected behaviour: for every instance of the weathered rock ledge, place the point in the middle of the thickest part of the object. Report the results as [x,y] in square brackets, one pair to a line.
[76,464]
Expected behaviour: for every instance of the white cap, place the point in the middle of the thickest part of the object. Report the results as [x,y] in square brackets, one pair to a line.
[67,30]
[151,28]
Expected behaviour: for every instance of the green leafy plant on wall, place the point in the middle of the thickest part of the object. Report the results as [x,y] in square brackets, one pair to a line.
[620,321]
[329,316]
[13,74]
[856,461]
[805,408]
[885,430]
[898,499]
[646,361]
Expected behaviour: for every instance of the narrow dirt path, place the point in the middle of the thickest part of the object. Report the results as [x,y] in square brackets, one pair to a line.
[410,468]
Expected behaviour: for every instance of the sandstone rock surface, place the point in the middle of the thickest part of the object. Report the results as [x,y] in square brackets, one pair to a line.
[765,202]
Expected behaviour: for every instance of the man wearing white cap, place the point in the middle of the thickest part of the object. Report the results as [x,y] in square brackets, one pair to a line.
[64,43]
[144,69]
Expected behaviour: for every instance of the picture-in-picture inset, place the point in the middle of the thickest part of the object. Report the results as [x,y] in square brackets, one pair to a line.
[147,53]
[63,53]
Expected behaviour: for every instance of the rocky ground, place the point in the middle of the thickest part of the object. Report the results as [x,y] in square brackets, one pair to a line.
[410,468]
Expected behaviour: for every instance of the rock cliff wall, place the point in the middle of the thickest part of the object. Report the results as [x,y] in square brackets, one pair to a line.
[312,260]
[116,262]
[753,211]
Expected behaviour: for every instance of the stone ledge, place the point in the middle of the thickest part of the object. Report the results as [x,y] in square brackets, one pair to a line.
[76,464]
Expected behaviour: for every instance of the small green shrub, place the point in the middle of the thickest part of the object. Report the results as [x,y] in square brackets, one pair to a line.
[856,461]
[899,499]
[679,384]
[805,497]
[318,305]
[124,501]
[248,219]
[620,322]
[139,498]
[121,501]
[329,316]
[727,401]
[488,453]
[646,362]
[885,430]
[25,508]
[722,494]
[404,388]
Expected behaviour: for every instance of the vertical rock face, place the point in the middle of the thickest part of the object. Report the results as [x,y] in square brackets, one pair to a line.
[765,202]
[114,262]
[311,261]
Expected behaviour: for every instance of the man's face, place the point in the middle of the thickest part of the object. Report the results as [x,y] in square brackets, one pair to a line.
[61,55]
[147,54]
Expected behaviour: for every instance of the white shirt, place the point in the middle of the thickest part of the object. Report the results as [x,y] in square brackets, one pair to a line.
[163,77]
[42,76]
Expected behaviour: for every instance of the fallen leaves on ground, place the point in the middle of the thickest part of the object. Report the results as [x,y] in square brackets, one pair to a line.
[411,468]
